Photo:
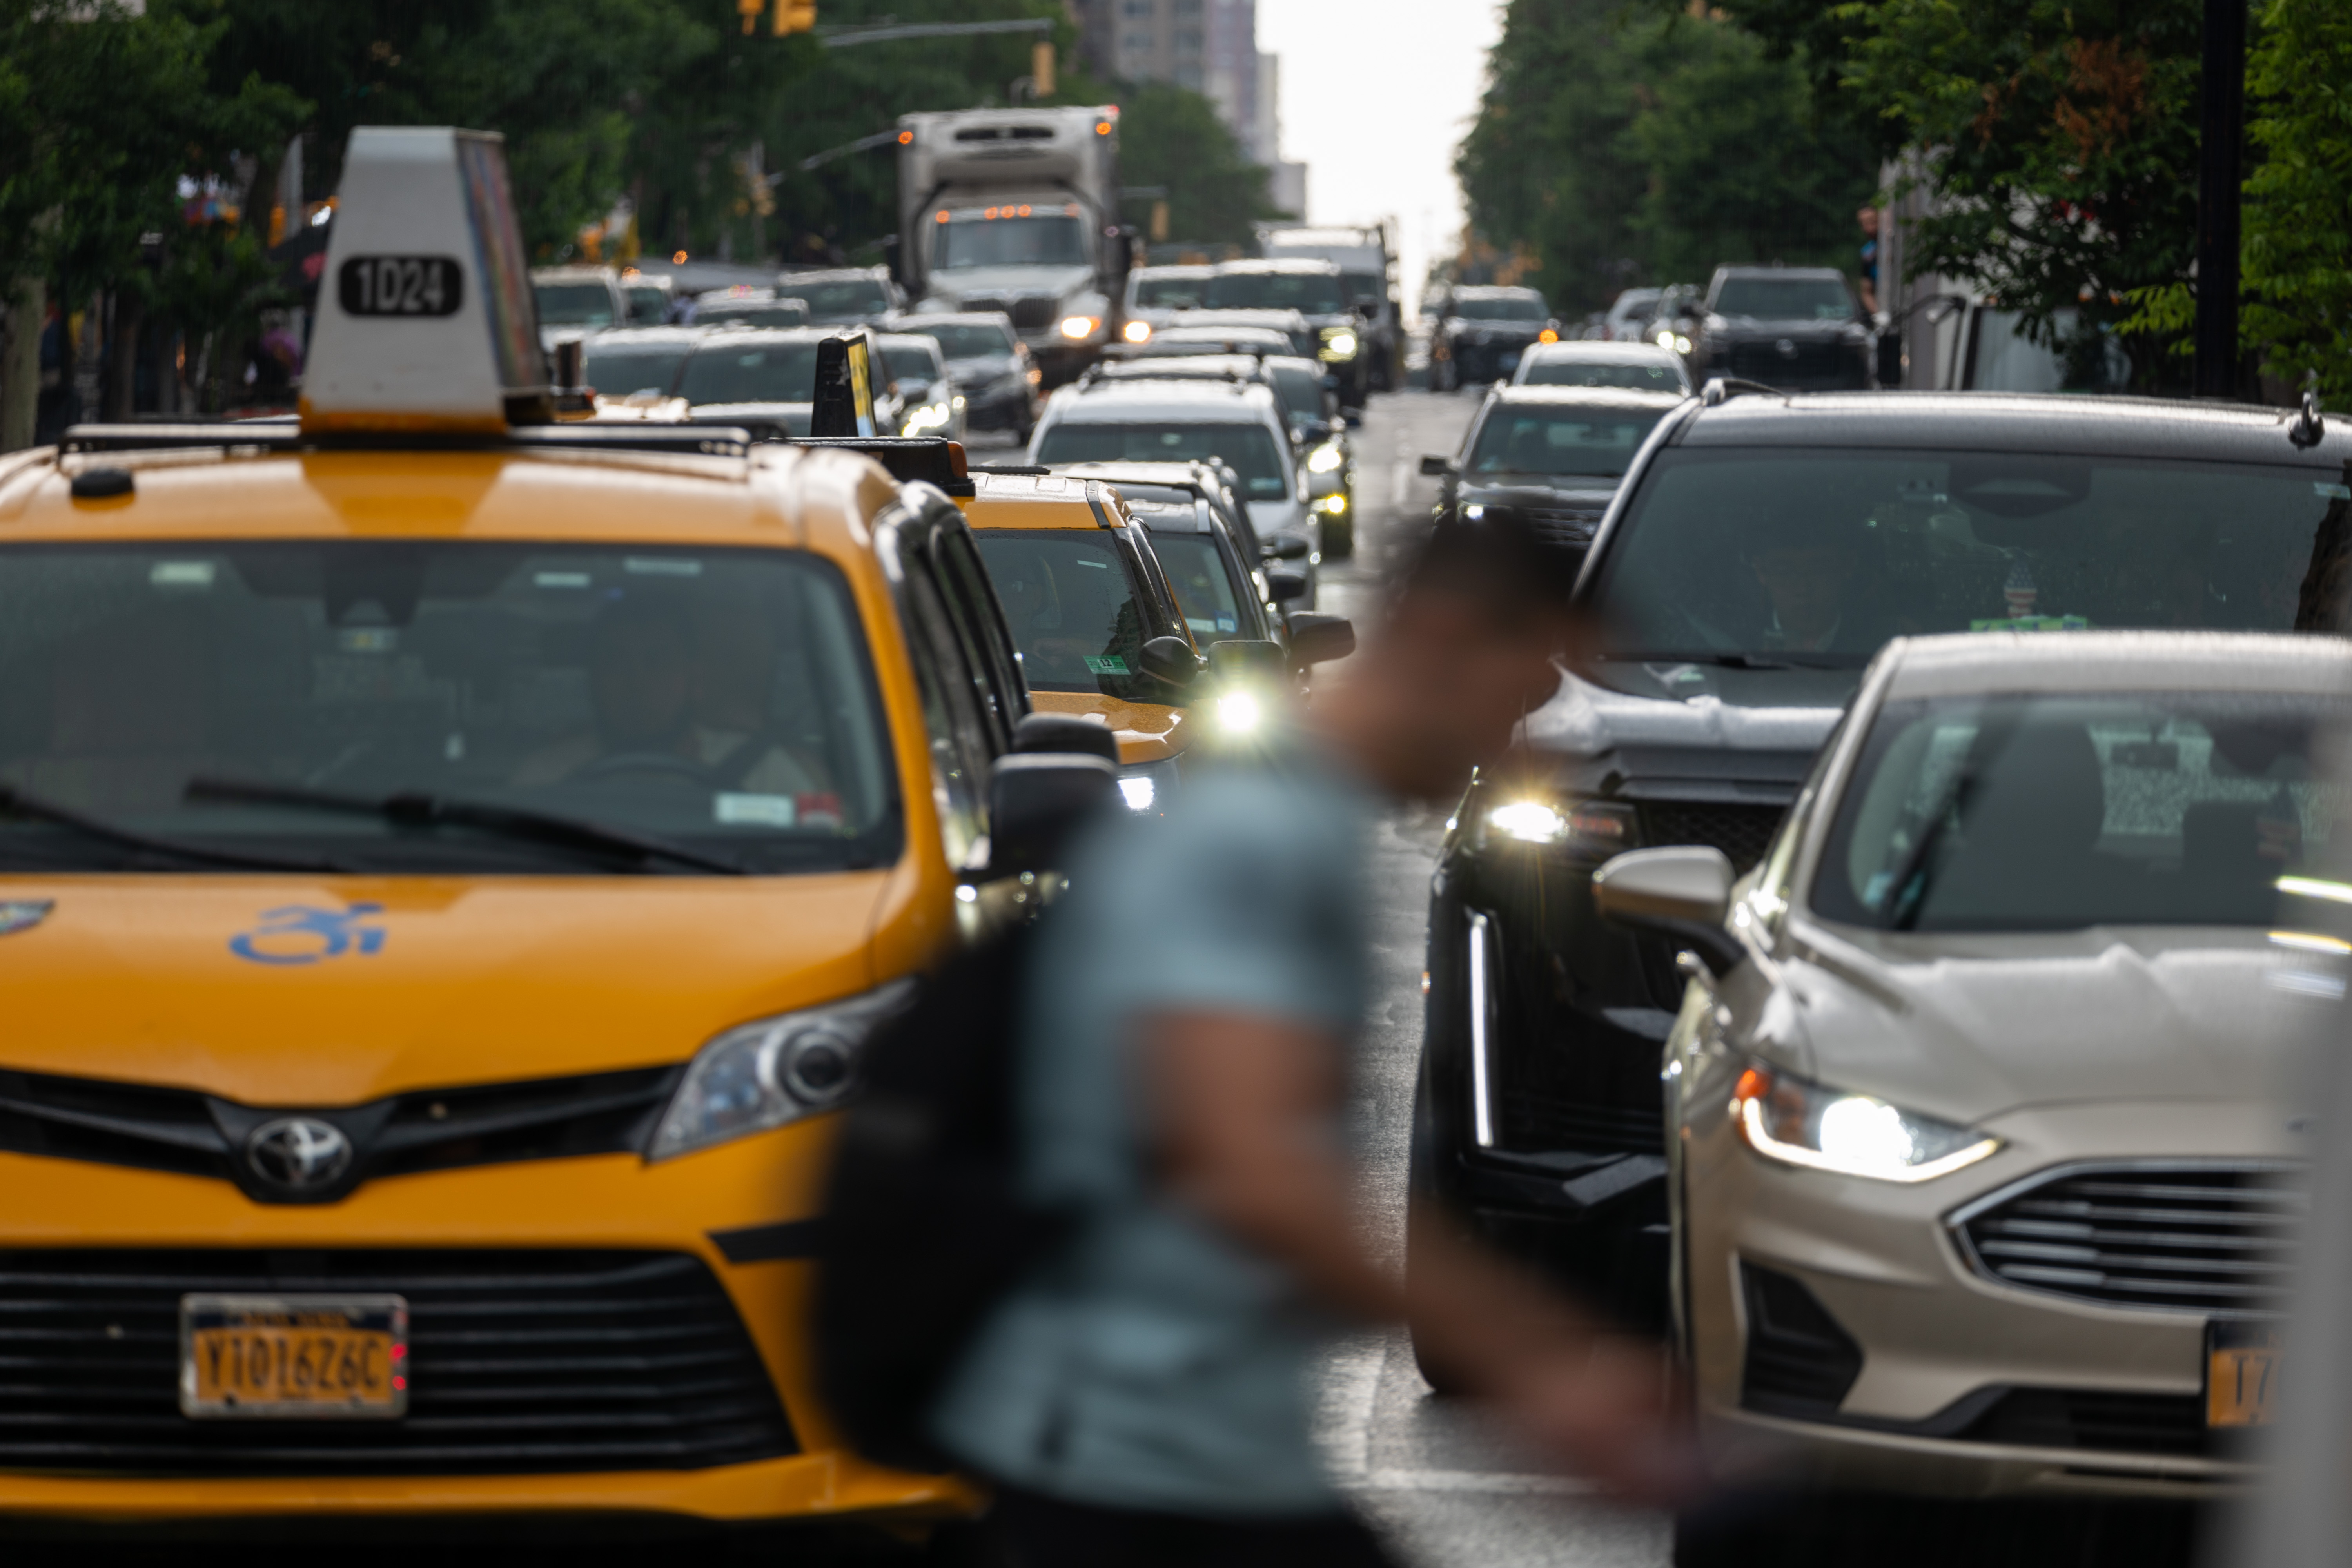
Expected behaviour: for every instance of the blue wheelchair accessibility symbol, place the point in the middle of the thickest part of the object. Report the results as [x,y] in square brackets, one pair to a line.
[298,933]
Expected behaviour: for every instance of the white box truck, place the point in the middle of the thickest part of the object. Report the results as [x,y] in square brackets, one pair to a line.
[1017,210]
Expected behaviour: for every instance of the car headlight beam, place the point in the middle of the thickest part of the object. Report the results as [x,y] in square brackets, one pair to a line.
[1325,459]
[1078,327]
[1786,1119]
[772,1071]
[1594,828]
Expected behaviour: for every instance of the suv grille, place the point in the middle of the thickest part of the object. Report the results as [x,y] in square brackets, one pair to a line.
[1741,832]
[2192,1237]
[110,1123]
[521,1362]
[1571,525]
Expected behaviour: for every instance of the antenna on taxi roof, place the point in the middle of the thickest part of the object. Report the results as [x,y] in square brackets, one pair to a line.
[426,322]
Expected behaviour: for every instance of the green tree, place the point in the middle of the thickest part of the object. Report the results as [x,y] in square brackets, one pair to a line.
[2298,214]
[1170,136]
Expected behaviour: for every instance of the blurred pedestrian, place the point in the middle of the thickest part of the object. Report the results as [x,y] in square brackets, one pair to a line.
[1868,284]
[1141,1399]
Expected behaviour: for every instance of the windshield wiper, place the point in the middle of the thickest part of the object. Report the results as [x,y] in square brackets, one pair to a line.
[1916,869]
[15,802]
[417,808]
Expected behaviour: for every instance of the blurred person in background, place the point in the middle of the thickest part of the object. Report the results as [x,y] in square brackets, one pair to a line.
[1141,1399]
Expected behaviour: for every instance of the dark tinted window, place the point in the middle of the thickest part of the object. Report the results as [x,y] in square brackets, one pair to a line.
[1249,448]
[1072,610]
[1585,372]
[852,301]
[1168,293]
[1502,307]
[1301,389]
[1592,442]
[574,304]
[1785,299]
[967,340]
[772,373]
[1311,293]
[619,370]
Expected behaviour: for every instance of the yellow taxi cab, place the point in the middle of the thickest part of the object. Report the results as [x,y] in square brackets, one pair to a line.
[1087,604]
[448,867]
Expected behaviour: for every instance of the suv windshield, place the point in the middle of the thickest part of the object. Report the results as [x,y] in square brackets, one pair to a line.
[718,699]
[1248,449]
[1072,611]
[1785,299]
[1549,372]
[1596,443]
[623,368]
[2056,812]
[771,373]
[852,301]
[573,304]
[1168,293]
[965,340]
[1501,307]
[972,241]
[1826,554]
[1308,293]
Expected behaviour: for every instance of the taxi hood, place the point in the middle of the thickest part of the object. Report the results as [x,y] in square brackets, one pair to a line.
[1970,1026]
[277,991]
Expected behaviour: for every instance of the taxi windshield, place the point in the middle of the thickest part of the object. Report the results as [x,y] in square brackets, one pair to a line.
[1309,293]
[574,305]
[1815,556]
[1574,442]
[1203,588]
[1072,610]
[620,369]
[715,699]
[1249,448]
[722,372]
[2056,812]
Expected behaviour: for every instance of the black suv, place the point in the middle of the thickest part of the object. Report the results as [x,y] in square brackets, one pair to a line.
[1798,328]
[1761,550]
[1482,330]
[1553,454]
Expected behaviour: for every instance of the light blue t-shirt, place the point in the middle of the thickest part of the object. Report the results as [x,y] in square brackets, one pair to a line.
[1156,1364]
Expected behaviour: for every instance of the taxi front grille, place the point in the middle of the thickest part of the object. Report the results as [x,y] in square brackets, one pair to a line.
[521,1362]
[2193,1237]
[108,1122]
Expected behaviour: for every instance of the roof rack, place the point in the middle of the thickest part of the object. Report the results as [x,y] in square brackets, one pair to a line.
[729,440]
[1722,388]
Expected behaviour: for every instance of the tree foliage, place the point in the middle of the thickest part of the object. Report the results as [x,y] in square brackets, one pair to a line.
[2298,214]
[1170,136]
[1620,142]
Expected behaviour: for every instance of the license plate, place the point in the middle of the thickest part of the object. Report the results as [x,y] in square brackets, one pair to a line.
[2241,1373]
[293,1357]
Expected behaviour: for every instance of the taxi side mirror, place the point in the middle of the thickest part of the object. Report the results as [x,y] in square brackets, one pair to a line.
[1288,549]
[1286,585]
[1035,801]
[1318,638]
[1436,468]
[1681,893]
[1170,659]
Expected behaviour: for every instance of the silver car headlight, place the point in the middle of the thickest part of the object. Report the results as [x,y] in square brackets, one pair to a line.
[764,1074]
[1783,1118]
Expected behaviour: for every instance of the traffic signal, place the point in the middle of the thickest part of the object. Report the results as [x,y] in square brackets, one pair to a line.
[1041,70]
[795,17]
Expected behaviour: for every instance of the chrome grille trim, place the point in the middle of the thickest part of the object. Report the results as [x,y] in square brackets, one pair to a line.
[2212,1237]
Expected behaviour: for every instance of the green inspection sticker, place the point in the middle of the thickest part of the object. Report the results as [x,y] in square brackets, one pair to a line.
[1109,664]
[2033,624]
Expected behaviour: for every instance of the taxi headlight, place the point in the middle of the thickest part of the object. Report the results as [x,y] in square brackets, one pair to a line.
[1325,458]
[1240,712]
[762,1075]
[1591,830]
[1794,1122]
[1339,343]
[1077,327]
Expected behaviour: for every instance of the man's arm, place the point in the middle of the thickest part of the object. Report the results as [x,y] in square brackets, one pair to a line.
[1240,1109]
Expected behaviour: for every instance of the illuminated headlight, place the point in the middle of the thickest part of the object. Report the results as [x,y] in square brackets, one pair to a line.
[1077,327]
[1594,829]
[1338,342]
[929,417]
[763,1075]
[1665,339]
[1325,458]
[1135,333]
[1334,505]
[1474,511]
[1681,344]
[1239,712]
[1798,1123]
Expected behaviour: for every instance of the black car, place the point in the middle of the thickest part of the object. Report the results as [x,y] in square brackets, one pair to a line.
[1760,552]
[1481,331]
[988,362]
[1798,328]
[1554,455]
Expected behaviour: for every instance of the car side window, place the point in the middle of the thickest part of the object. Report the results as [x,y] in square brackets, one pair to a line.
[980,623]
[953,721]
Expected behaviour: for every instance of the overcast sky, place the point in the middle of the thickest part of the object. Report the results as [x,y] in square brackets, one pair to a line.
[1376,95]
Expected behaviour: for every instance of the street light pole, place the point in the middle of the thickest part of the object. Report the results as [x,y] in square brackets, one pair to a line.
[2221,165]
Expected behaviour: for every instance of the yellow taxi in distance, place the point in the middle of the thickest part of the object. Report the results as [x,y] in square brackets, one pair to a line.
[1087,604]
[447,876]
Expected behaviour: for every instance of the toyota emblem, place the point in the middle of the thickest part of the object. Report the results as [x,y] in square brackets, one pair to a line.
[299,1152]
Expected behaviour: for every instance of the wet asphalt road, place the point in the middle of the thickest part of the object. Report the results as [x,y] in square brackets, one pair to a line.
[1444,1492]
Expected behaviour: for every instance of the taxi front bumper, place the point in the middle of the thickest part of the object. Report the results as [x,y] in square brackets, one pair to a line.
[576,1309]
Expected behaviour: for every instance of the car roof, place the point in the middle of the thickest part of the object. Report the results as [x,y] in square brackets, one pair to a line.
[1134,402]
[1178,367]
[1779,272]
[1041,500]
[1236,316]
[1177,270]
[653,337]
[736,337]
[1280,264]
[1578,349]
[1493,290]
[921,319]
[572,274]
[1186,473]
[830,274]
[1971,663]
[2016,422]
[1518,394]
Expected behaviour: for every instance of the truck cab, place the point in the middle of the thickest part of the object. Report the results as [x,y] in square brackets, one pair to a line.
[1017,210]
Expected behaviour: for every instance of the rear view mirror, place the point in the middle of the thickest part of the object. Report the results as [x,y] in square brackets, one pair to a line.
[1435,466]
[1170,659]
[1317,638]
[1284,584]
[1681,893]
[1288,549]
[1035,801]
